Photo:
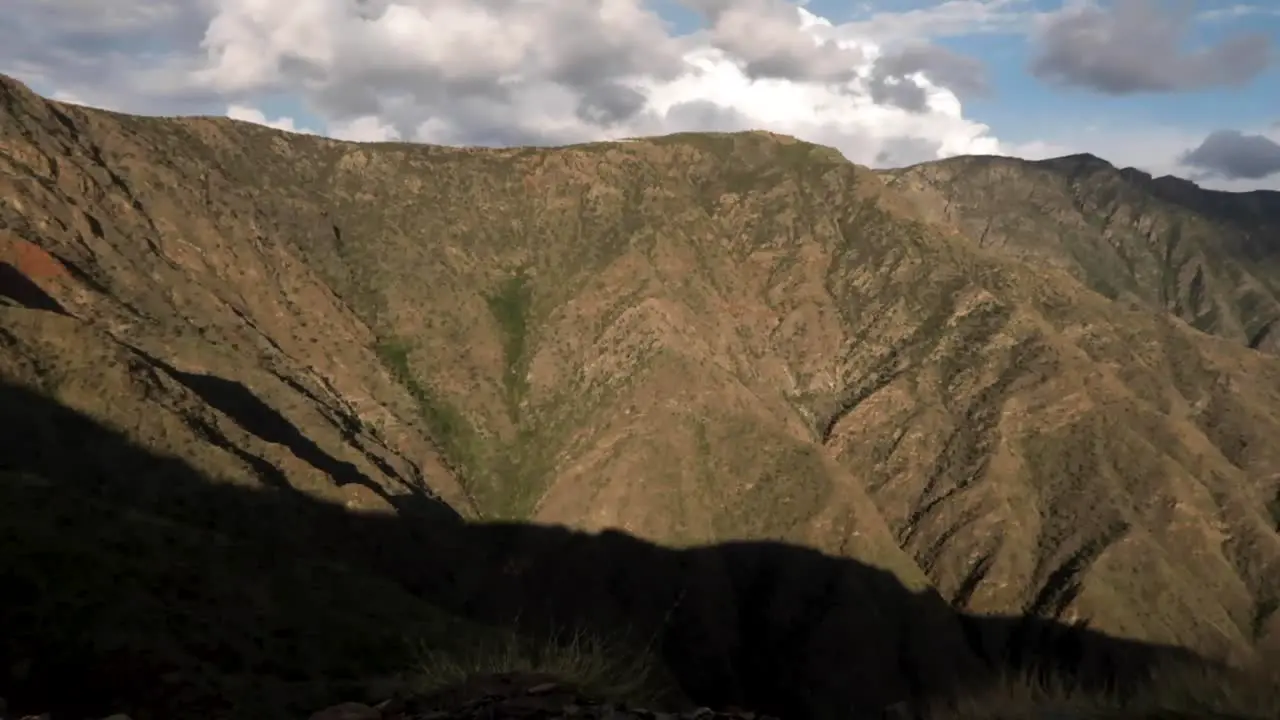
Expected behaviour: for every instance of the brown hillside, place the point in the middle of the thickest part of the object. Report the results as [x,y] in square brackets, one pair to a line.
[695,339]
[1211,258]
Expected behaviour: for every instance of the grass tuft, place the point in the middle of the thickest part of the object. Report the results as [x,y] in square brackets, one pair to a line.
[587,662]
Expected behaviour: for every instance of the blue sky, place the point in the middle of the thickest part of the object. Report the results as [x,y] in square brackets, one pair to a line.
[1171,86]
[1025,108]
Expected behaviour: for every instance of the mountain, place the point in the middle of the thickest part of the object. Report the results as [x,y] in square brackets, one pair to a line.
[1210,258]
[890,424]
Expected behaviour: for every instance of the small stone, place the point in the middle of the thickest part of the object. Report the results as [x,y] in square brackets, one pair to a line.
[348,711]
[543,689]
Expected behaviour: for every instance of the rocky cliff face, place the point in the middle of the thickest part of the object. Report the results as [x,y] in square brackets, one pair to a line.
[956,386]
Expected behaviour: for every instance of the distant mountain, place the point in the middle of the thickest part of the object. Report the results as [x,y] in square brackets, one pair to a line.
[1210,258]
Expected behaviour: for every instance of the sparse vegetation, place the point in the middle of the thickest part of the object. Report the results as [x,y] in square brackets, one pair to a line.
[1175,692]
[511,305]
[502,480]
[446,425]
[585,661]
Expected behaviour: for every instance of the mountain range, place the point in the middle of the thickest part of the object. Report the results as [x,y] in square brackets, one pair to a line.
[275,402]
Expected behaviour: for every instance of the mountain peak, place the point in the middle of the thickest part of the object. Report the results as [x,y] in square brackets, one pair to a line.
[1079,162]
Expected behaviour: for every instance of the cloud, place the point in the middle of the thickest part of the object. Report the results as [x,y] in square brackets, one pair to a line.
[495,72]
[407,61]
[507,72]
[844,117]
[901,152]
[768,39]
[254,115]
[125,54]
[894,75]
[1233,155]
[367,128]
[1135,46]
[1239,10]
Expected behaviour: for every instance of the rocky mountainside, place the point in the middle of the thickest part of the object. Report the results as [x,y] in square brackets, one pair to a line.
[1210,258]
[836,426]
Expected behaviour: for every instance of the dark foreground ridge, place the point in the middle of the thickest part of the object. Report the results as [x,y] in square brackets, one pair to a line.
[134,585]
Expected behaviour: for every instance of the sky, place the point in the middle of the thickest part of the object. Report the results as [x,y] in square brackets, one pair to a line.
[1183,87]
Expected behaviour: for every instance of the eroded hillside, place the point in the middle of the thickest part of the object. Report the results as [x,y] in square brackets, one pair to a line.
[1210,258]
[694,338]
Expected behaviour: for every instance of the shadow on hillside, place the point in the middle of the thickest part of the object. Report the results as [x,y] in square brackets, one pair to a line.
[132,583]
[19,288]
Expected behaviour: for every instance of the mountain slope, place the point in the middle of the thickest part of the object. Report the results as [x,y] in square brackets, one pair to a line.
[695,338]
[134,272]
[1210,258]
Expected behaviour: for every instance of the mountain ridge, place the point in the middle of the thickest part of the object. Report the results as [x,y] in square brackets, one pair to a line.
[1208,257]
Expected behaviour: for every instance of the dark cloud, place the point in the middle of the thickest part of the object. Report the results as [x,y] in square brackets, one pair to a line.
[1136,46]
[891,83]
[961,74]
[704,115]
[608,104]
[899,92]
[904,151]
[132,54]
[1233,155]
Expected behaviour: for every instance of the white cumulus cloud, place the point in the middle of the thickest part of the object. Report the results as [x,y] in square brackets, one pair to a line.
[254,115]
[507,72]
[498,72]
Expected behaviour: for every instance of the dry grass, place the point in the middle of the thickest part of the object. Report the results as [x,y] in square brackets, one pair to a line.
[1175,692]
[585,661]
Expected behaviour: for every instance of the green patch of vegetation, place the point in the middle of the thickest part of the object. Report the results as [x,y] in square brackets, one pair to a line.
[456,436]
[503,481]
[511,306]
